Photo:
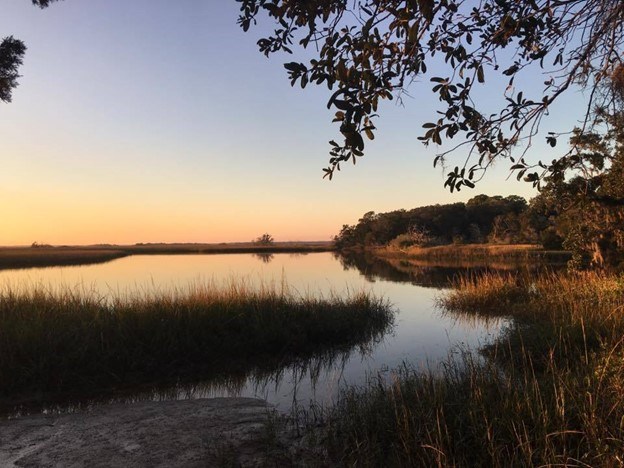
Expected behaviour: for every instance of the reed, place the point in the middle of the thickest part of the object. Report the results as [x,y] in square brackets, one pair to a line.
[548,392]
[476,253]
[61,339]
[493,293]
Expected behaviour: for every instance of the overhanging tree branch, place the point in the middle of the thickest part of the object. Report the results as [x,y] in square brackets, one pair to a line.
[575,42]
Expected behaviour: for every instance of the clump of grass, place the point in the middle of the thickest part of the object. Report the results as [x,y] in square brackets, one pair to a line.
[487,292]
[59,340]
[580,298]
[475,415]
[548,392]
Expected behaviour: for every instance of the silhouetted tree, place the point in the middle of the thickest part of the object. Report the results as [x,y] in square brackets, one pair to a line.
[366,51]
[11,58]
[435,224]
[589,206]
[264,239]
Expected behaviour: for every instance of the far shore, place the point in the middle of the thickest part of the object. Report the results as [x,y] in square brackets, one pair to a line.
[41,255]
[474,253]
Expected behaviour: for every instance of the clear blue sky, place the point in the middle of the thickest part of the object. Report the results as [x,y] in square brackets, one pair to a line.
[155,120]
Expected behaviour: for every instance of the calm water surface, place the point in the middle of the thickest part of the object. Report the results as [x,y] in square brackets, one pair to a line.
[423,335]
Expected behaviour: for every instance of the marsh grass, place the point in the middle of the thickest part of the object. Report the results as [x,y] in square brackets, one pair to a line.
[548,392]
[42,255]
[58,340]
[55,256]
[477,254]
[485,293]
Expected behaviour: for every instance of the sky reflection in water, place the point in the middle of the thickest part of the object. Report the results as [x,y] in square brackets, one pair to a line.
[423,336]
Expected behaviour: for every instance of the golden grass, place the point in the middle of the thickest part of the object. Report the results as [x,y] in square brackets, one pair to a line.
[548,392]
[41,257]
[59,340]
[475,253]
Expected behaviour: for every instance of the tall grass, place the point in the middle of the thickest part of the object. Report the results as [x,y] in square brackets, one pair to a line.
[549,392]
[477,253]
[61,340]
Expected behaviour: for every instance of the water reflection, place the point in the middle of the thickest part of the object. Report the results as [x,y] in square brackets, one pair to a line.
[264,257]
[428,274]
[268,379]
[423,335]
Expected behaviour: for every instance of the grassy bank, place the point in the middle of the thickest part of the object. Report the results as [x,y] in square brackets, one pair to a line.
[46,255]
[472,254]
[55,341]
[548,392]
[26,257]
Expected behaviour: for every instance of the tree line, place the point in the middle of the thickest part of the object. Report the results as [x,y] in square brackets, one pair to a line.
[482,219]
[545,220]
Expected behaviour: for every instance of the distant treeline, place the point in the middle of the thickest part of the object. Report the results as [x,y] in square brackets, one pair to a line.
[483,219]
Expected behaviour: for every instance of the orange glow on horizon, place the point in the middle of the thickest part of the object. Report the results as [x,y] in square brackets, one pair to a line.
[70,220]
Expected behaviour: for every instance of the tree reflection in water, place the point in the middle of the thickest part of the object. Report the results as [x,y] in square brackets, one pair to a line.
[428,274]
[264,257]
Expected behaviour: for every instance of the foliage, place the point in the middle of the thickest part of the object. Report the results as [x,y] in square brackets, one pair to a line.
[371,50]
[550,240]
[39,245]
[415,236]
[43,3]
[472,222]
[264,239]
[580,207]
[586,210]
[11,57]
[366,51]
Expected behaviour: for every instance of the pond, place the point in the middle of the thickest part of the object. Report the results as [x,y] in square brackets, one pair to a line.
[423,335]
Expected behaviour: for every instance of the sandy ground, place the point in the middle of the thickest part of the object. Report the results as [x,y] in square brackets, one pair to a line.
[207,432]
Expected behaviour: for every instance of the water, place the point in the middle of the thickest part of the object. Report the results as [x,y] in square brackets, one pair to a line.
[423,336]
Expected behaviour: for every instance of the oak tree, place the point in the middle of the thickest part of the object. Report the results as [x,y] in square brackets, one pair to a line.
[589,206]
[366,51]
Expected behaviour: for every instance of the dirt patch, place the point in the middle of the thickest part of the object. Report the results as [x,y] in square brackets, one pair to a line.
[206,432]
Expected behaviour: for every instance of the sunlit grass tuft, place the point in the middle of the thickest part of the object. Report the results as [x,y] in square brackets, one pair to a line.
[494,293]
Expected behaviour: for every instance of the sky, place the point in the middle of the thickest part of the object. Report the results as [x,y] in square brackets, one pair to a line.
[159,121]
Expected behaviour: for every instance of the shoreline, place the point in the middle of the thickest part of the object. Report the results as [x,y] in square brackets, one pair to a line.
[49,256]
[203,432]
[474,254]
[444,255]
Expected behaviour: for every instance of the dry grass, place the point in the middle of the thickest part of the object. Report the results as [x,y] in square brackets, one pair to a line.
[476,252]
[493,293]
[27,257]
[55,256]
[549,392]
[61,340]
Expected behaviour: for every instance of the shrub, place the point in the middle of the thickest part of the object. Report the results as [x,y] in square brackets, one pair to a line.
[264,239]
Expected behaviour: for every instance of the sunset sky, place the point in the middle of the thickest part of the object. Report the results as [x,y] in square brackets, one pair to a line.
[159,121]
